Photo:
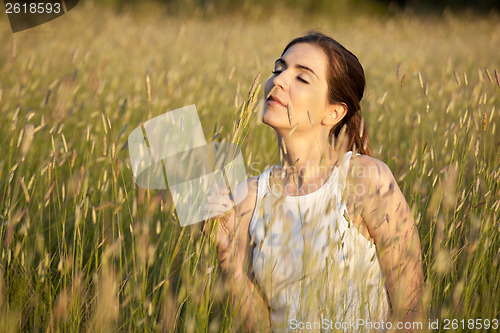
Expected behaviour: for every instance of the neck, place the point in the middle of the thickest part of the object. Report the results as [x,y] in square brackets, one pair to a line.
[305,161]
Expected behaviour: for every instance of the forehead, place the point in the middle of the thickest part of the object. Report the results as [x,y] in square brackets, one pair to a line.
[307,55]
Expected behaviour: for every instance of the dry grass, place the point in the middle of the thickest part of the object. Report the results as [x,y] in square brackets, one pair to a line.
[84,249]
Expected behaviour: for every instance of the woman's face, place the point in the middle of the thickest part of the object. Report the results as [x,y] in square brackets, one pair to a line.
[301,88]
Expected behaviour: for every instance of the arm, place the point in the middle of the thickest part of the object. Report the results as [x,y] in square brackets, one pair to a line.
[382,208]
[234,251]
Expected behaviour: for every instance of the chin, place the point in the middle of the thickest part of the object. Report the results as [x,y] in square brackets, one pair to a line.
[275,120]
[270,117]
[266,116]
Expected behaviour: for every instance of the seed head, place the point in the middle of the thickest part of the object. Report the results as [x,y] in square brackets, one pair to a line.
[420,80]
[457,79]
[309,116]
[271,92]
[403,80]
[488,74]
[425,147]
[148,87]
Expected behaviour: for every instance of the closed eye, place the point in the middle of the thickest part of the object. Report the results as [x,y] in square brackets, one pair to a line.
[302,80]
[276,72]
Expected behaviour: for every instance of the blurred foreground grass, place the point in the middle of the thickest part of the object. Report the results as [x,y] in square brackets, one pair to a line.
[84,249]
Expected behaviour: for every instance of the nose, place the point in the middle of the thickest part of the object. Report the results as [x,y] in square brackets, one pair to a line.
[280,80]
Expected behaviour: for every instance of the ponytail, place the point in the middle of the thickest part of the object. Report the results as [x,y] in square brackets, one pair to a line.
[356,132]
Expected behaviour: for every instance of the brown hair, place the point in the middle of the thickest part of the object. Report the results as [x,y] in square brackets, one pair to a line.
[346,84]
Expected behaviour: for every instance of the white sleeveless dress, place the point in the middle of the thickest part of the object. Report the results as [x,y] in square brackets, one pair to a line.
[316,270]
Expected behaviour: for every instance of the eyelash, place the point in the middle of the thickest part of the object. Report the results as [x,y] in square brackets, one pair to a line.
[298,77]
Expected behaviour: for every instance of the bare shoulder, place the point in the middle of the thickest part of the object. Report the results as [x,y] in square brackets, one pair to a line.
[371,174]
[371,190]
[367,180]
[375,192]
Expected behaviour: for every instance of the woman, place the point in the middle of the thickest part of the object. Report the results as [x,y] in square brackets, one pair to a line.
[325,238]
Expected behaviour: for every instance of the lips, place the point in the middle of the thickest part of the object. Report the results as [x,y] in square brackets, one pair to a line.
[275,100]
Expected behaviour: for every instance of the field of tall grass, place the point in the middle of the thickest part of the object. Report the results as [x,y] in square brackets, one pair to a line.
[83,248]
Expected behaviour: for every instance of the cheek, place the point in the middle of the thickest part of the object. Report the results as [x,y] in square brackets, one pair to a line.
[313,101]
[307,98]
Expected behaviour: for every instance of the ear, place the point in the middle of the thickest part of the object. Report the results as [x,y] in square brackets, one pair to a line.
[334,114]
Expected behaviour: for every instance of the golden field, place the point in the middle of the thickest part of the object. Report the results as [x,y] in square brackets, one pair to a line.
[83,248]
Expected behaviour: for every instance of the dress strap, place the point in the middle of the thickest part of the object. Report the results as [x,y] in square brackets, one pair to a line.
[263,184]
[344,168]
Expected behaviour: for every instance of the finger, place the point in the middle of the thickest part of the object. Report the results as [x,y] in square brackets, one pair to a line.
[217,207]
[218,190]
[220,200]
[214,198]
[223,231]
[228,201]
[214,210]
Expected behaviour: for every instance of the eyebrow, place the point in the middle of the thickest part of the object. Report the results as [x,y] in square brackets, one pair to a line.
[281,60]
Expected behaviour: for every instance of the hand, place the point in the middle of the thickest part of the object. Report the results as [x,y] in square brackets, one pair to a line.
[220,205]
